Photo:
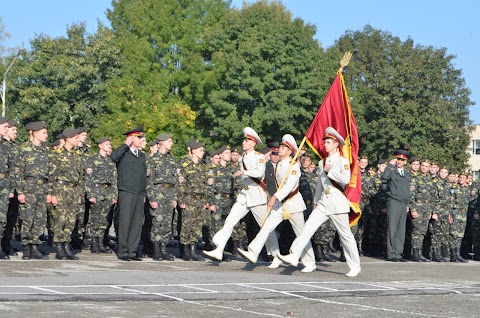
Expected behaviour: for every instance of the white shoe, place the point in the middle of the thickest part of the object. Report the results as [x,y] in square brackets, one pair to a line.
[289,259]
[354,272]
[248,255]
[215,254]
[309,268]
[275,263]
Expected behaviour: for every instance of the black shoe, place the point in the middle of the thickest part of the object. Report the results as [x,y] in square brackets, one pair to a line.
[124,258]
[136,258]
[267,258]
[165,255]
[60,251]
[68,253]
[392,259]
[35,253]
[26,252]
[401,259]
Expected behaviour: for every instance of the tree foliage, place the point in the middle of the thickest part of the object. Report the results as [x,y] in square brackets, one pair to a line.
[272,74]
[406,95]
[62,80]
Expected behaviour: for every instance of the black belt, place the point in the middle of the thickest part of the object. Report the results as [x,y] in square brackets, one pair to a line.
[67,183]
[165,185]
[37,180]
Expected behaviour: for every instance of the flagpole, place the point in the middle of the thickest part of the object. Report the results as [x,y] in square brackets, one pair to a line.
[286,215]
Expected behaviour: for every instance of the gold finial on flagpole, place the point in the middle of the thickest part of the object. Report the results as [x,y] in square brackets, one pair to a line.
[345,60]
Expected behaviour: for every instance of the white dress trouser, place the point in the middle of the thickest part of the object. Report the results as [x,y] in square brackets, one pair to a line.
[274,219]
[315,220]
[237,212]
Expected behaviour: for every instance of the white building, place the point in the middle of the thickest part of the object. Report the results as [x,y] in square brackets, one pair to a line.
[474,151]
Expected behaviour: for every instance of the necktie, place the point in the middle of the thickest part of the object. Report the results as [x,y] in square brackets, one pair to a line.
[136,153]
[401,172]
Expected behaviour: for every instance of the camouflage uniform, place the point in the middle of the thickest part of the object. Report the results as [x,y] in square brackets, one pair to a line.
[67,185]
[441,206]
[461,196]
[359,228]
[239,230]
[423,194]
[376,234]
[32,168]
[223,192]
[82,217]
[162,188]
[6,184]
[101,184]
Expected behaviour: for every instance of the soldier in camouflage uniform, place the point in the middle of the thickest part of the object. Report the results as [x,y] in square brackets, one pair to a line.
[101,189]
[239,230]
[359,228]
[458,217]
[438,226]
[421,207]
[32,167]
[195,199]
[467,241]
[12,213]
[162,185]
[6,176]
[66,189]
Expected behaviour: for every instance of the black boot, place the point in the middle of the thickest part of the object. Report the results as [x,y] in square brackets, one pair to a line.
[26,252]
[453,256]
[342,256]
[95,249]
[186,253]
[35,253]
[423,258]
[360,250]
[459,257]
[416,255]
[165,254]
[476,251]
[68,253]
[444,250]
[236,245]
[327,257]
[60,251]
[195,256]
[102,248]
[437,255]
[157,253]
[318,252]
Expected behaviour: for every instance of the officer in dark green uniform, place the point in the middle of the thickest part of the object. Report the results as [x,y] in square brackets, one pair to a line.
[396,182]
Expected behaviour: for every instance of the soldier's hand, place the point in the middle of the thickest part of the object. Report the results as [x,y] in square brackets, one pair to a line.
[435,216]
[93,200]
[476,217]
[237,173]
[384,210]
[114,201]
[54,200]
[79,200]
[21,198]
[154,205]
[49,198]
[174,203]
[272,202]
[129,140]
[212,208]
[183,206]
[10,195]
[414,214]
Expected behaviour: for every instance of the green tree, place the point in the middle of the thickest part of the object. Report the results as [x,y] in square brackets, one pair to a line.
[406,95]
[272,74]
[62,80]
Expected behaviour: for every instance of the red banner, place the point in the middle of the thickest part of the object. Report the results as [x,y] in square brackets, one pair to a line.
[336,112]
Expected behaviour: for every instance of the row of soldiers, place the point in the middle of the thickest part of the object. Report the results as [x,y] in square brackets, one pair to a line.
[443,219]
[68,189]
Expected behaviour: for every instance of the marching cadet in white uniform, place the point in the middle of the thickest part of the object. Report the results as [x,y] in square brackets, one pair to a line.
[331,203]
[288,199]
[253,196]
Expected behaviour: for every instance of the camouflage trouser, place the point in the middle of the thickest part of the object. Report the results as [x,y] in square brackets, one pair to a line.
[80,218]
[358,229]
[33,214]
[457,228]
[64,214]
[218,218]
[3,206]
[476,236]
[325,233]
[162,217]
[420,226]
[98,217]
[439,230]
[193,218]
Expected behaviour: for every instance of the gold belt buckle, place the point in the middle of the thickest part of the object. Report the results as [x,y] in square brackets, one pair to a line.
[245,187]
[327,191]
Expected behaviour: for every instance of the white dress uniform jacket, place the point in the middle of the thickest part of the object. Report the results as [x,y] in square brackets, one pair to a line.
[326,194]
[294,204]
[252,194]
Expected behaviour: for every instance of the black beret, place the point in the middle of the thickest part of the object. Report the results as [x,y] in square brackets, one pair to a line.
[382,161]
[222,149]
[60,136]
[102,140]
[153,143]
[236,150]
[56,143]
[3,120]
[69,132]
[413,159]
[82,129]
[163,137]
[12,123]
[35,125]
[196,144]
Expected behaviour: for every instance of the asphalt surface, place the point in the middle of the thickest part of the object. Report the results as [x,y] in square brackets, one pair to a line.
[102,286]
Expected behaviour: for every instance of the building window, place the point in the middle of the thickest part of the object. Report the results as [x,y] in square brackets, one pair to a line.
[476,147]
[475,175]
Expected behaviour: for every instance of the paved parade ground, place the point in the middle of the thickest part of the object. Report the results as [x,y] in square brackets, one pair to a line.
[102,286]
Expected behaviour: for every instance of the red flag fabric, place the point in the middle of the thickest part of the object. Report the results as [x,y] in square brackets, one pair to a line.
[336,112]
